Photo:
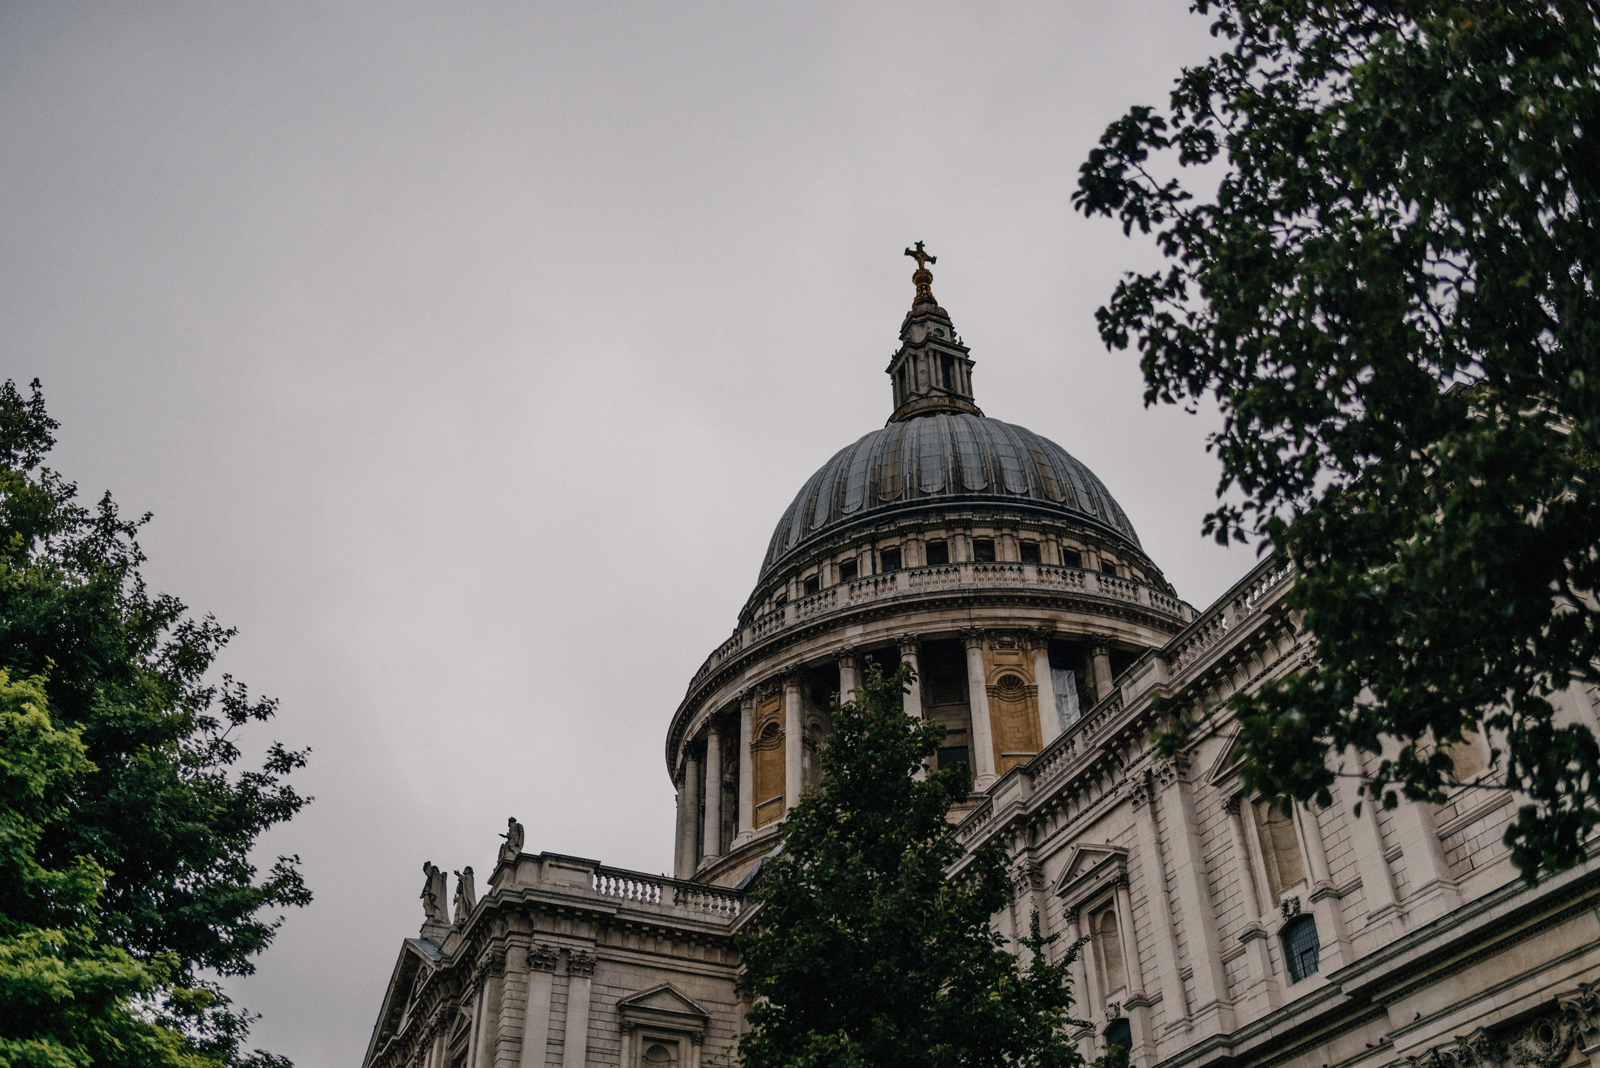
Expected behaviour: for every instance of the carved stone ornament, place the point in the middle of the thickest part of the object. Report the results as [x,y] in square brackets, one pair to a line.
[1290,907]
[1167,772]
[972,637]
[1007,640]
[1113,1010]
[908,643]
[581,963]
[1138,790]
[1545,1041]
[1233,805]
[542,958]
[1027,876]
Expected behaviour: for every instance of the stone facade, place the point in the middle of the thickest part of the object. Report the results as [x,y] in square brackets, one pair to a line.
[1217,931]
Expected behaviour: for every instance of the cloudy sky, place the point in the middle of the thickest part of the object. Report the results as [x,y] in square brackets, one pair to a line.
[466,354]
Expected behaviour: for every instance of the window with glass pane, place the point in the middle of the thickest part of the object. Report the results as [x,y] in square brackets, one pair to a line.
[1301,946]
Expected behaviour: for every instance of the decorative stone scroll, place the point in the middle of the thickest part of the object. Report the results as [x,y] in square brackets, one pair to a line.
[1544,1041]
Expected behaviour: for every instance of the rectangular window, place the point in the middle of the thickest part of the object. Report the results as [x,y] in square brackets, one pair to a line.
[889,560]
[1071,558]
[983,550]
[953,754]
[1108,568]
[1030,552]
[847,571]
[938,552]
[811,585]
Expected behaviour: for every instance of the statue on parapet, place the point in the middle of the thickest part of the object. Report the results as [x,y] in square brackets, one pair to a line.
[466,896]
[513,844]
[434,887]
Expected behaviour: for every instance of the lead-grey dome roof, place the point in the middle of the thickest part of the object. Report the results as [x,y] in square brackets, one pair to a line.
[949,458]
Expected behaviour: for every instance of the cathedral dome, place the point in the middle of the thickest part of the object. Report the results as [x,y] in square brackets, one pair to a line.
[937,460]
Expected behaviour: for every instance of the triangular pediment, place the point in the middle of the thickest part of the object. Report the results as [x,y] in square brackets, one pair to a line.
[664,1000]
[1090,866]
[1227,760]
[418,958]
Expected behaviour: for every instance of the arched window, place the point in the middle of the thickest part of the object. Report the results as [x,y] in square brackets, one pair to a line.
[1118,1033]
[1301,947]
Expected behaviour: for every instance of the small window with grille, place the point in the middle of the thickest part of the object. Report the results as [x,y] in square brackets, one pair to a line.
[1301,946]
[938,552]
[847,571]
[1030,552]
[811,585]
[889,559]
[983,549]
[1071,558]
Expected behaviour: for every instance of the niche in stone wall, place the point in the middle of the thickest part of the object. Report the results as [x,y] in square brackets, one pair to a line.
[1013,703]
[766,756]
[1108,950]
[1280,847]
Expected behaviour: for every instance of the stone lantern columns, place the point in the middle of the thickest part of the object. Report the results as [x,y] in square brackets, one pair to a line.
[747,766]
[793,741]
[712,837]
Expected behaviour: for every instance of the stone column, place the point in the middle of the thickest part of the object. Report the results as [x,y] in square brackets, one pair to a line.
[1091,1006]
[1153,866]
[1101,657]
[908,655]
[580,978]
[913,696]
[1212,1011]
[848,680]
[1261,985]
[982,754]
[793,741]
[625,1054]
[689,797]
[1049,722]
[1334,951]
[680,845]
[712,839]
[747,767]
[536,1023]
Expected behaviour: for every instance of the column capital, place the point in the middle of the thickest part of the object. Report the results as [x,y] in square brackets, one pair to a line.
[581,963]
[1233,805]
[1039,637]
[543,958]
[972,637]
[1100,644]
[908,644]
[1166,772]
[846,657]
[791,677]
[746,698]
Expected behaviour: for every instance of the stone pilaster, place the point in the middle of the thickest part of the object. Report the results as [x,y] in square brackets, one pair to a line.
[542,962]
[1261,983]
[580,981]
[1153,863]
[1212,1011]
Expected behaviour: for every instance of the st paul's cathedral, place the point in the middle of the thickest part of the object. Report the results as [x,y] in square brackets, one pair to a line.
[1220,932]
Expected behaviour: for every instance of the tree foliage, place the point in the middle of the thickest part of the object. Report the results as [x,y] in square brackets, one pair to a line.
[160,818]
[1391,295]
[864,952]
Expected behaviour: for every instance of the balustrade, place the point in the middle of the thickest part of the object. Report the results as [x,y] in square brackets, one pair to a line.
[646,891]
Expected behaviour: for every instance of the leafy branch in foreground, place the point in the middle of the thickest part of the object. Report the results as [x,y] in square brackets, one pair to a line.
[1391,295]
[159,821]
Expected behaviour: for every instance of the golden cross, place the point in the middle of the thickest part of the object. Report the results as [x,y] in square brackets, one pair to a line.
[922,258]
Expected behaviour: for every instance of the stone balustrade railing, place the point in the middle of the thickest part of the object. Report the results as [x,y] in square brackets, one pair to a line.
[658,892]
[915,581]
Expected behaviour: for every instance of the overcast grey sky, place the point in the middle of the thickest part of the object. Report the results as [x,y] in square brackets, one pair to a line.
[467,353]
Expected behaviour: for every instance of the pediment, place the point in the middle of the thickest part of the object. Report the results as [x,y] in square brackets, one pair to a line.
[1227,761]
[664,1005]
[418,957]
[1090,867]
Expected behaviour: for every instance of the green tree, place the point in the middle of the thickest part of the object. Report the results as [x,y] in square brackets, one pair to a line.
[865,951]
[1391,295]
[70,998]
[164,813]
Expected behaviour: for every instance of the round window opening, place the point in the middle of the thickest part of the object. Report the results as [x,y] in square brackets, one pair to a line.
[657,1054]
